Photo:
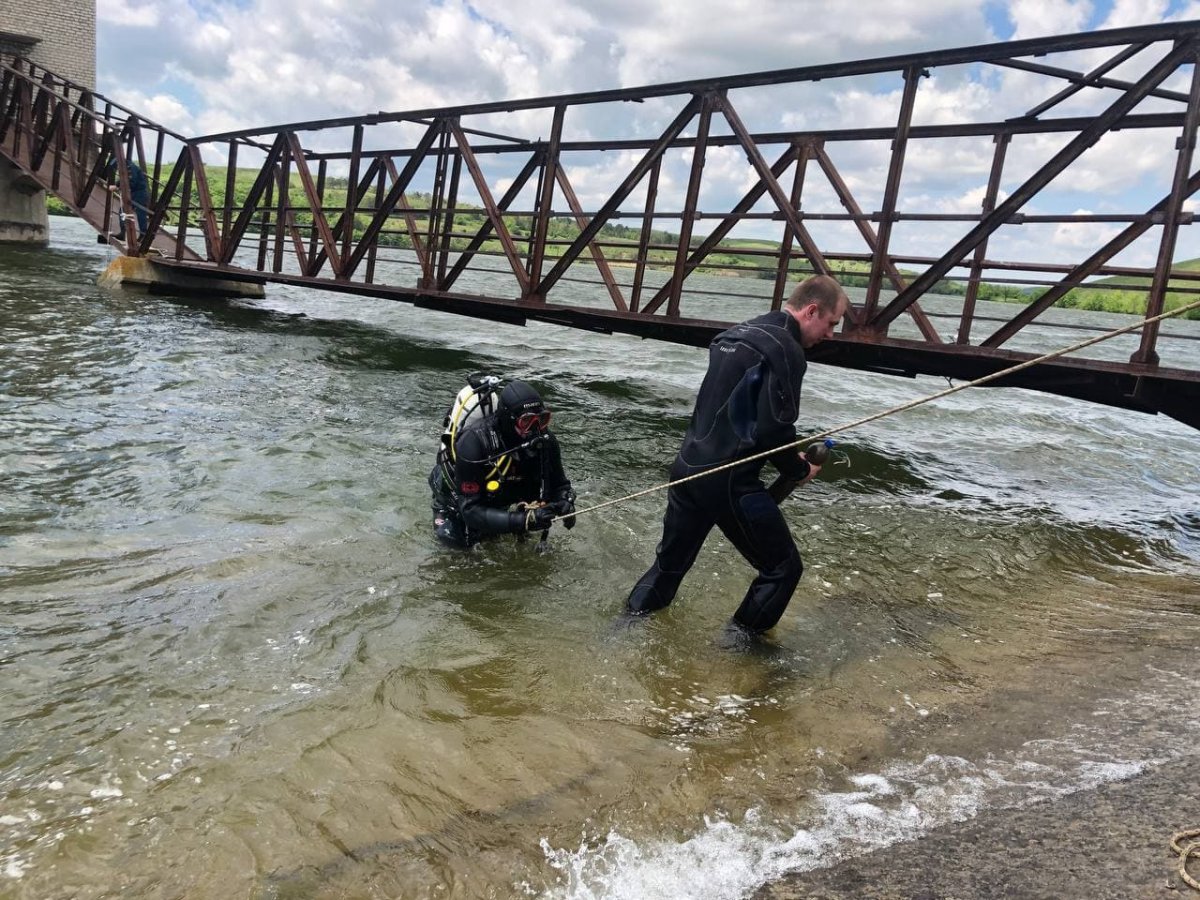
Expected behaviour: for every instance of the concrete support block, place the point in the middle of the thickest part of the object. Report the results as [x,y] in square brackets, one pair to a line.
[23,217]
[142,274]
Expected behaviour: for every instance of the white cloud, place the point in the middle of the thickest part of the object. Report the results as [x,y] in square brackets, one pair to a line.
[161,108]
[1084,236]
[130,13]
[1039,18]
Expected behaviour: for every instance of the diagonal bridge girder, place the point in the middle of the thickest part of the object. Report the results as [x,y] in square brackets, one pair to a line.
[469,209]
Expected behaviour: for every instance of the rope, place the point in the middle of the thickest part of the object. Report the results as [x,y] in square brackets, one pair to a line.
[1185,851]
[896,409]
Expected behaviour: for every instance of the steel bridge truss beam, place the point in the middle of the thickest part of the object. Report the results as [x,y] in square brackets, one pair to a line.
[327,218]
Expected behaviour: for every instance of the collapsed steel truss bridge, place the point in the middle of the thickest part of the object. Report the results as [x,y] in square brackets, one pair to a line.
[449,209]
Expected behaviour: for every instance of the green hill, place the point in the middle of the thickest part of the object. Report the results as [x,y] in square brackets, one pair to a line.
[1110,297]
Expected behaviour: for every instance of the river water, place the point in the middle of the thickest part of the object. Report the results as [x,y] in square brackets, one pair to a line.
[234,663]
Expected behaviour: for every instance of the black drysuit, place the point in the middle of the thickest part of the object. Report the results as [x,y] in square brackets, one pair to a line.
[472,495]
[747,404]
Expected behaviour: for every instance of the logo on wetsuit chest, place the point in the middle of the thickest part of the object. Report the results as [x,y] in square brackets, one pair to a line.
[470,487]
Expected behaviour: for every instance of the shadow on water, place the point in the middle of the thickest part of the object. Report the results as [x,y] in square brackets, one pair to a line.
[353,344]
[1186,526]
[30,267]
[356,345]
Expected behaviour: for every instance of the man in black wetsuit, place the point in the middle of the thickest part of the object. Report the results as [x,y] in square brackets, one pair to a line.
[506,458]
[747,404]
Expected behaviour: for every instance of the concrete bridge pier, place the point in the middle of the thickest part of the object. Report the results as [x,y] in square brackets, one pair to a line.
[23,217]
[61,36]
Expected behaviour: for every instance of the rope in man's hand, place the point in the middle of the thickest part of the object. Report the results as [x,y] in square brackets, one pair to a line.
[953,389]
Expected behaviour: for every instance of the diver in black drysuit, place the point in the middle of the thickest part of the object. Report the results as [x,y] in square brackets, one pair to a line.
[509,457]
[747,404]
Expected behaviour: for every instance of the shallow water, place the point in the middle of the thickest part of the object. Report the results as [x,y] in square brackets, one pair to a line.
[235,664]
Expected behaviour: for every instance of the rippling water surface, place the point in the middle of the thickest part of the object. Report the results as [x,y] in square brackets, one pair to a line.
[233,663]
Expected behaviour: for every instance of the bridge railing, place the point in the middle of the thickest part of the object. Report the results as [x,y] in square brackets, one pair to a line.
[613,210]
[89,151]
[528,184]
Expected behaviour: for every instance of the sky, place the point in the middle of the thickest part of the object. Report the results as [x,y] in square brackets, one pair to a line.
[207,66]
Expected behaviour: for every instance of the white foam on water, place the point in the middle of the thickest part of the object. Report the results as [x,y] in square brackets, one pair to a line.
[728,860]
[14,867]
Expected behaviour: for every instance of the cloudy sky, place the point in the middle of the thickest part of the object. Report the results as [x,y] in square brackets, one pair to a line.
[206,66]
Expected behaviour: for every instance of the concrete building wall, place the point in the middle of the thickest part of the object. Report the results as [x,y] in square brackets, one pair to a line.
[60,35]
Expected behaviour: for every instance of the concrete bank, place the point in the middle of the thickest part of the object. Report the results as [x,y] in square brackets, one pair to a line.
[1111,842]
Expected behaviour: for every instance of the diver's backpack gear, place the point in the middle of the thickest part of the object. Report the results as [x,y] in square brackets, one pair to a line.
[478,399]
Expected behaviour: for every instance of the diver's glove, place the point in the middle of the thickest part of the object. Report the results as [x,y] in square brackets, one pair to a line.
[539,518]
[564,509]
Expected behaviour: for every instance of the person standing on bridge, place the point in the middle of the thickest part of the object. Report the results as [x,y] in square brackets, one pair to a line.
[499,469]
[139,194]
[747,404]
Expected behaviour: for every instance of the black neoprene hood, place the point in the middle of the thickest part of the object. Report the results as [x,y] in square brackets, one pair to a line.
[516,399]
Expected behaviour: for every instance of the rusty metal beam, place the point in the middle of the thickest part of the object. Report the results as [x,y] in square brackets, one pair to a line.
[623,190]
[782,201]
[718,234]
[410,221]
[803,151]
[643,254]
[545,202]
[868,234]
[373,250]
[1033,184]
[1081,80]
[1166,249]
[208,216]
[1084,270]
[450,211]
[912,79]
[184,206]
[988,204]
[614,292]
[436,203]
[489,204]
[315,207]
[1091,79]
[675,285]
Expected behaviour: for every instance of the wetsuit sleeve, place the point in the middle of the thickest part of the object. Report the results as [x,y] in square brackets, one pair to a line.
[791,464]
[470,489]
